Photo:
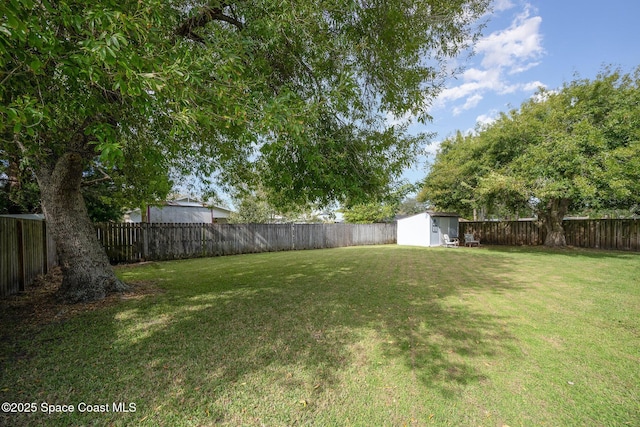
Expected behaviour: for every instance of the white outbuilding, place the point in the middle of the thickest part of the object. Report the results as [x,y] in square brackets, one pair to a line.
[427,228]
[182,210]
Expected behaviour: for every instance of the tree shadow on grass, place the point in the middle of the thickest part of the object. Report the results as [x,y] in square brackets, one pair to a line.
[290,325]
[570,251]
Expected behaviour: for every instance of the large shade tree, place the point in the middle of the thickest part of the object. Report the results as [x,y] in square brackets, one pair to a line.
[294,92]
[453,176]
[570,150]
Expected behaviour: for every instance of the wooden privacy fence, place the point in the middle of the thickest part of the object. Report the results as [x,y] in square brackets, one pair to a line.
[25,252]
[613,234]
[155,242]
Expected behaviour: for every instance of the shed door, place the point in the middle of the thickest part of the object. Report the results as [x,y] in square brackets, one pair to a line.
[441,226]
[452,227]
[435,235]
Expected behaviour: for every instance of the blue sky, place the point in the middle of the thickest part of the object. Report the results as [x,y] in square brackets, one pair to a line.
[527,44]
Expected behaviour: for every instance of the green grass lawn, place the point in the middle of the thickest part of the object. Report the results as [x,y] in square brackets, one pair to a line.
[366,336]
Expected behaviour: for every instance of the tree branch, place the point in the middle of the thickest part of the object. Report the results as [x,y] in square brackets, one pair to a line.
[207,15]
[304,65]
[105,177]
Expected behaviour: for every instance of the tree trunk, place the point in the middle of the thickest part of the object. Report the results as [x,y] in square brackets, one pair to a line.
[87,274]
[554,212]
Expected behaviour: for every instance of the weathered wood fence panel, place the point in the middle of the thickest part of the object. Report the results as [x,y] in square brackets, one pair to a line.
[514,233]
[9,272]
[34,252]
[25,252]
[156,242]
[338,235]
[613,234]
[309,237]
[618,234]
[120,242]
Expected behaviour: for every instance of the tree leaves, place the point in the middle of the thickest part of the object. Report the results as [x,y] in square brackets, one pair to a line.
[579,143]
[295,92]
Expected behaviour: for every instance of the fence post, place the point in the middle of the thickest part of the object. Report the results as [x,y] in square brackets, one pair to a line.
[144,236]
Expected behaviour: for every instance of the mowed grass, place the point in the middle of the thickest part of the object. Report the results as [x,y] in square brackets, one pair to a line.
[366,336]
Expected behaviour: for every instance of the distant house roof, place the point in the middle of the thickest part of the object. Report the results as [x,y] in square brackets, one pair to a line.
[180,210]
[39,217]
[189,202]
[183,204]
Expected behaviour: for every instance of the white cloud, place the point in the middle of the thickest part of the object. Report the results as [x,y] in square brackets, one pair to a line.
[471,102]
[501,5]
[522,68]
[486,119]
[503,53]
[515,47]
[457,92]
[393,120]
[476,81]
[474,74]
[431,150]
[533,86]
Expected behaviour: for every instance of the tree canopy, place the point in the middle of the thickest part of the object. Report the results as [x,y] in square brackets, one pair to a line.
[395,203]
[566,151]
[292,94]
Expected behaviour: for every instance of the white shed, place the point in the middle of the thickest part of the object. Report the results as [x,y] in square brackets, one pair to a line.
[427,228]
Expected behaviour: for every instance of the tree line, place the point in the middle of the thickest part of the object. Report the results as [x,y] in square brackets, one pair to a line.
[574,150]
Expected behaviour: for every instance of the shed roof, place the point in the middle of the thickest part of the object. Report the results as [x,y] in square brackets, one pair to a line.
[448,214]
[432,214]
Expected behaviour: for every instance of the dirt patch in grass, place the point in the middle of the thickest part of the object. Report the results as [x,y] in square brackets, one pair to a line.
[22,315]
[39,305]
